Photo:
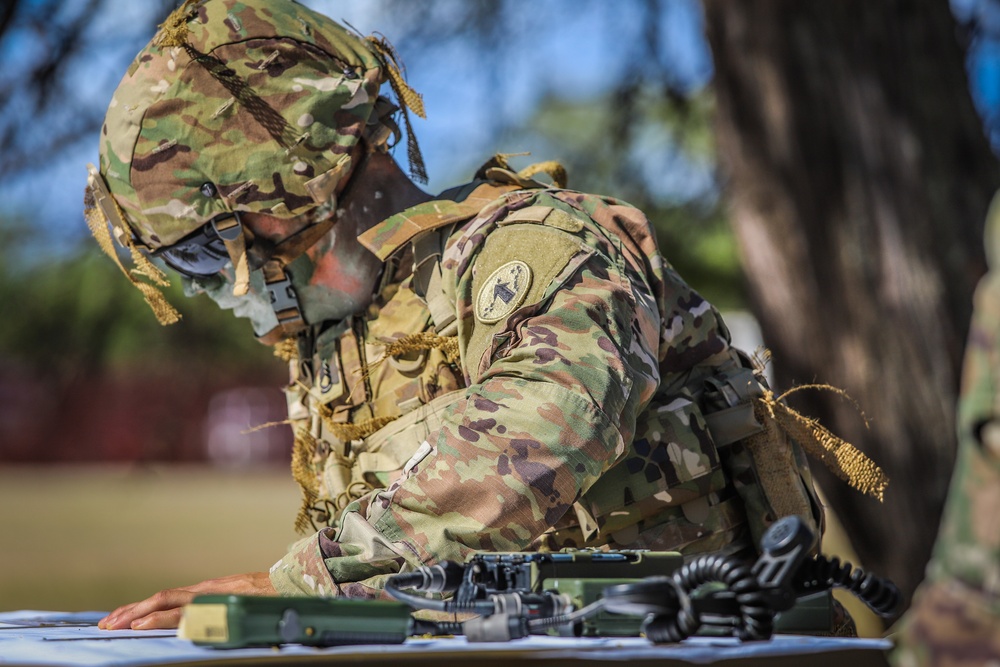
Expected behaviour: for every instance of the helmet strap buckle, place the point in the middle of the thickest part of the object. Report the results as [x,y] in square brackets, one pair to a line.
[230,230]
[284,300]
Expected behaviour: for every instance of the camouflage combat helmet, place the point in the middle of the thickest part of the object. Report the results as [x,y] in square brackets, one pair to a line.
[235,107]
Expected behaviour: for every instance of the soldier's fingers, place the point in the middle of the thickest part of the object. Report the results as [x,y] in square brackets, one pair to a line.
[159,620]
[111,621]
[169,599]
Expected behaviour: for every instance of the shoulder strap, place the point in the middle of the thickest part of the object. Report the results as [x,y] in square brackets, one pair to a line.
[387,237]
[428,281]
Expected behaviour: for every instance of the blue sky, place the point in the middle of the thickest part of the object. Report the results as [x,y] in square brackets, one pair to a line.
[983,59]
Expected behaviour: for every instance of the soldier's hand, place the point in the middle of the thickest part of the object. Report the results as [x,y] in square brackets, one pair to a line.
[163,610]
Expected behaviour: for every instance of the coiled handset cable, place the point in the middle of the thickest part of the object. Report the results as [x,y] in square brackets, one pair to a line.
[752,595]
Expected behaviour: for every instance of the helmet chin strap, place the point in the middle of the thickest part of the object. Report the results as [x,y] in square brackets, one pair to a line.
[230,231]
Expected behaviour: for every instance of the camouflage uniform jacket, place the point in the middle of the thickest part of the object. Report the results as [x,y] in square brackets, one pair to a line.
[955,616]
[574,419]
[968,546]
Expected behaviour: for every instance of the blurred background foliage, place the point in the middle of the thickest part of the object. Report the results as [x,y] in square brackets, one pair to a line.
[666,137]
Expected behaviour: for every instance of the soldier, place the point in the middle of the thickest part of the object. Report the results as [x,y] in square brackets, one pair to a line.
[509,365]
[955,617]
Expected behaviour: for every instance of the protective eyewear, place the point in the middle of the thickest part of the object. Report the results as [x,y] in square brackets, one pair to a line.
[203,253]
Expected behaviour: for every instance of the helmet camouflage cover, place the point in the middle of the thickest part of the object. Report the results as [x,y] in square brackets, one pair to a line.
[249,106]
[251,110]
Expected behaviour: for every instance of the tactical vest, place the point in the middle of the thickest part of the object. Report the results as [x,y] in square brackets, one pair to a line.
[360,415]
[356,423]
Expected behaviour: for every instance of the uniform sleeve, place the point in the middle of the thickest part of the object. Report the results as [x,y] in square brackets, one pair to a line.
[980,399]
[552,405]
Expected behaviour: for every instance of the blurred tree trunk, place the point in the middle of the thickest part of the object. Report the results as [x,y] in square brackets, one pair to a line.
[858,178]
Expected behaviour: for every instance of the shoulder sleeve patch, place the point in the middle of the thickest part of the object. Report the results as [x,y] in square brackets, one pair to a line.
[503,292]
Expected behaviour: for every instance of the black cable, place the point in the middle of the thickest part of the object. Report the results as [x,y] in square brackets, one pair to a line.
[435,628]
[672,613]
[822,573]
[443,577]
[756,615]
[578,615]
[676,619]
[393,587]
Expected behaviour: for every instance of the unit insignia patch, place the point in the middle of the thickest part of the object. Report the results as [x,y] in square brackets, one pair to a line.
[503,292]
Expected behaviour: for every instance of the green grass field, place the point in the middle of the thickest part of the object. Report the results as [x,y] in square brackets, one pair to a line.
[87,538]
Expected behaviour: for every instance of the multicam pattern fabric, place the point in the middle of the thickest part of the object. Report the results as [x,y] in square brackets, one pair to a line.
[968,546]
[580,421]
[955,617]
[336,388]
[949,624]
[255,111]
